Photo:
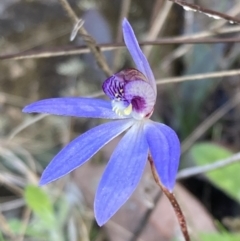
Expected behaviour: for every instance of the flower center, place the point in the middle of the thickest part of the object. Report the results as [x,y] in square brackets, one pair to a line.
[119,108]
[130,93]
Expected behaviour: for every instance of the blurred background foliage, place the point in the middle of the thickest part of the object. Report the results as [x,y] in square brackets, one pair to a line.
[63,210]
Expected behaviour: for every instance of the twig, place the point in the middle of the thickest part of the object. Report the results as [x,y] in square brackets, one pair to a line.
[233,11]
[39,117]
[12,204]
[157,25]
[122,231]
[76,28]
[208,12]
[91,43]
[213,118]
[25,124]
[144,220]
[4,227]
[25,221]
[173,201]
[13,99]
[6,180]
[124,13]
[76,50]
[214,28]
[192,171]
[219,74]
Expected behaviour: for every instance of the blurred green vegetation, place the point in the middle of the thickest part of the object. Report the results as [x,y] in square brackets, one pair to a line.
[226,178]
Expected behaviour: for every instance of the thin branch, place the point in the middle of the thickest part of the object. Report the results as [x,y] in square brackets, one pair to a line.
[157,26]
[82,49]
[25,221]
[210,13]
[211,75]
[144,220]
[14,100]
[39,117]
[214,27]
[233,11]
[25,124]
[173,201]
[193,171]
[12,204]
[124,232]
[91,43]
[206,124]
[76,28]
[5,228]
[124,14]
[7,180]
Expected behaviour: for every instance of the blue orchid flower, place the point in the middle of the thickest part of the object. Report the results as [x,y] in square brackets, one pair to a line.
[133,95]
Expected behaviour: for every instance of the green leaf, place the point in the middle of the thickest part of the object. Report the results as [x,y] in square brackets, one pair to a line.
[40,203]
[1,237]
[226,178]
[220,237]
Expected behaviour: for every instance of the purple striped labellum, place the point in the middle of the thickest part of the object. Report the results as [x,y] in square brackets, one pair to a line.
[131,94]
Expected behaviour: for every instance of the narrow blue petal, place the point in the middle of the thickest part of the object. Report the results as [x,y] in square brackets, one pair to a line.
[121,175]
[80,107]
[82,149]
[137,54]
[165,149]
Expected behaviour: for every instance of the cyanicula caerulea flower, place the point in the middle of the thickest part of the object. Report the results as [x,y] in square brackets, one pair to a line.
[132,94]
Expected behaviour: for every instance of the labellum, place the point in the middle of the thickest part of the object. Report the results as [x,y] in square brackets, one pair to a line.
[131,94]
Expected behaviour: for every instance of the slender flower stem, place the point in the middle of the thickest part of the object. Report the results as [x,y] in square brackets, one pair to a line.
[173,201]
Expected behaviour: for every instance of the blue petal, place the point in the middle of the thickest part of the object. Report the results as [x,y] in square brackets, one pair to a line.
[80,107]
[121,175]
[165,149]
[137,54]
[82,149]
